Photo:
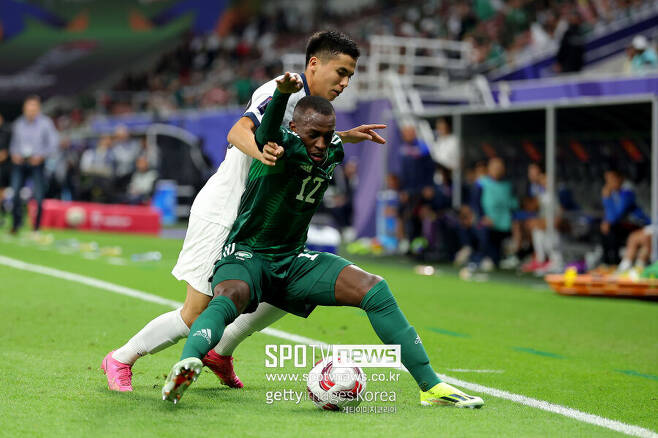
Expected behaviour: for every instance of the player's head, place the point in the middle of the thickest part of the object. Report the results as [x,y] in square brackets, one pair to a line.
[496,168]
[534,172]
[314,121]
[330,63]
[613,178]
[31,106]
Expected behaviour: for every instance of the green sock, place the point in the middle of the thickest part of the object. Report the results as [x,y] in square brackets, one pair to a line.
[208,328]
[393,328]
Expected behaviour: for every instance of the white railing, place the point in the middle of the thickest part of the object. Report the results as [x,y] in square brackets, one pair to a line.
[422,63]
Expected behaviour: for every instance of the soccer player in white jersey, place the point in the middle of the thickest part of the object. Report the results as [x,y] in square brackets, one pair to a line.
[330,63]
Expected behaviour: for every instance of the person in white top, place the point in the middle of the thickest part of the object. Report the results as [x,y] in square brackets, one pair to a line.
[330,63]
[445,149]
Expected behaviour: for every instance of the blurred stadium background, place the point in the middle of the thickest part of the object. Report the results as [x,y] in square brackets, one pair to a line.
[558,99]
[569,89]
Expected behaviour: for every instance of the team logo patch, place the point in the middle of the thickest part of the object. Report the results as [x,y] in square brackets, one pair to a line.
[263,106]
[243,255]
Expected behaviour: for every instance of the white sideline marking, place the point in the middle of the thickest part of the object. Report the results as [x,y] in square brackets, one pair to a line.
[584,417]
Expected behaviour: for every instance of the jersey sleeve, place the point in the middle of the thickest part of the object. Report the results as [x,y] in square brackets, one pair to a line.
[270,129]
[259,101]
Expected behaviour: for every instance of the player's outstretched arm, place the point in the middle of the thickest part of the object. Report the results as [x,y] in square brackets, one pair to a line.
[361,133]
[270,127]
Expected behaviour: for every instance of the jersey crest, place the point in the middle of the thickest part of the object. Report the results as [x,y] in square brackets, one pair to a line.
[263,106]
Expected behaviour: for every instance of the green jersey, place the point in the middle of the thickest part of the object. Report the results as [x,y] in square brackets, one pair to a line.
[279,201]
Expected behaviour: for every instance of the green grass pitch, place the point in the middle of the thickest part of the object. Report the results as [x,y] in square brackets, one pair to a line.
[599,356]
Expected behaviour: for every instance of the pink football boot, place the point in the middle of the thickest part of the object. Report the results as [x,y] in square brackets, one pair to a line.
[119,375]
[222,366]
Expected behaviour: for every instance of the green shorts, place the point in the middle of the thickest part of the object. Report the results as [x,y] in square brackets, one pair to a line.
[294,283]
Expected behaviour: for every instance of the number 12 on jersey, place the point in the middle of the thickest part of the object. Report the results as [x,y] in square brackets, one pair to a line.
[309,197]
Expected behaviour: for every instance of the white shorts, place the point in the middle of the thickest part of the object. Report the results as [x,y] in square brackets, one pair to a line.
[203,243]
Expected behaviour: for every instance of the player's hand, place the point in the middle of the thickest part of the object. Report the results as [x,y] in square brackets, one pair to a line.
[271,153]
[17,159]
[289,83]
[361,133]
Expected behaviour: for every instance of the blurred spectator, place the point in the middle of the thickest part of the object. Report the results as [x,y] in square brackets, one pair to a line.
[572,47]
[642,57]
[445,149]
[545,246]
[97,169]
[388,225]
[417,168]
[493,205]
[339,196]
[142,182]
[638,250]
[125,150]
[466,220]
[622,215]
[34,139]
[5,165]
[150,151]
[467,235]
[536,180]
[62,171]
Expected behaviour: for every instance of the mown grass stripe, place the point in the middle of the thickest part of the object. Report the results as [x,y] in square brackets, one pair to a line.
[448,332]
[538,352]
[636,374]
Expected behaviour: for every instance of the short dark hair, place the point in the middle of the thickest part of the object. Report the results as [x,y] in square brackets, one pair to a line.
[332,43]
[315,103]
[33,97]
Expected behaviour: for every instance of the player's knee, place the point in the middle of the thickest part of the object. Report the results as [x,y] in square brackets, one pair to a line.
[367,282]
[235,290]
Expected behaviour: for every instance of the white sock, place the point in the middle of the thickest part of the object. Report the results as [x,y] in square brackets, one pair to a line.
[538,245]
[551,246]
[246,324]
[625,265]
[162,332]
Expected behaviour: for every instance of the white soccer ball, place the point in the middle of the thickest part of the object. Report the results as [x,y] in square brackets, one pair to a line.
[334,388]
[75,216]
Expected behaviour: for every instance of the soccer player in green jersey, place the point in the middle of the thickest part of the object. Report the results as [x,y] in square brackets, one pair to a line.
[264,257]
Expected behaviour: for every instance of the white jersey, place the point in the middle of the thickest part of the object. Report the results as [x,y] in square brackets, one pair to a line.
[219,199]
